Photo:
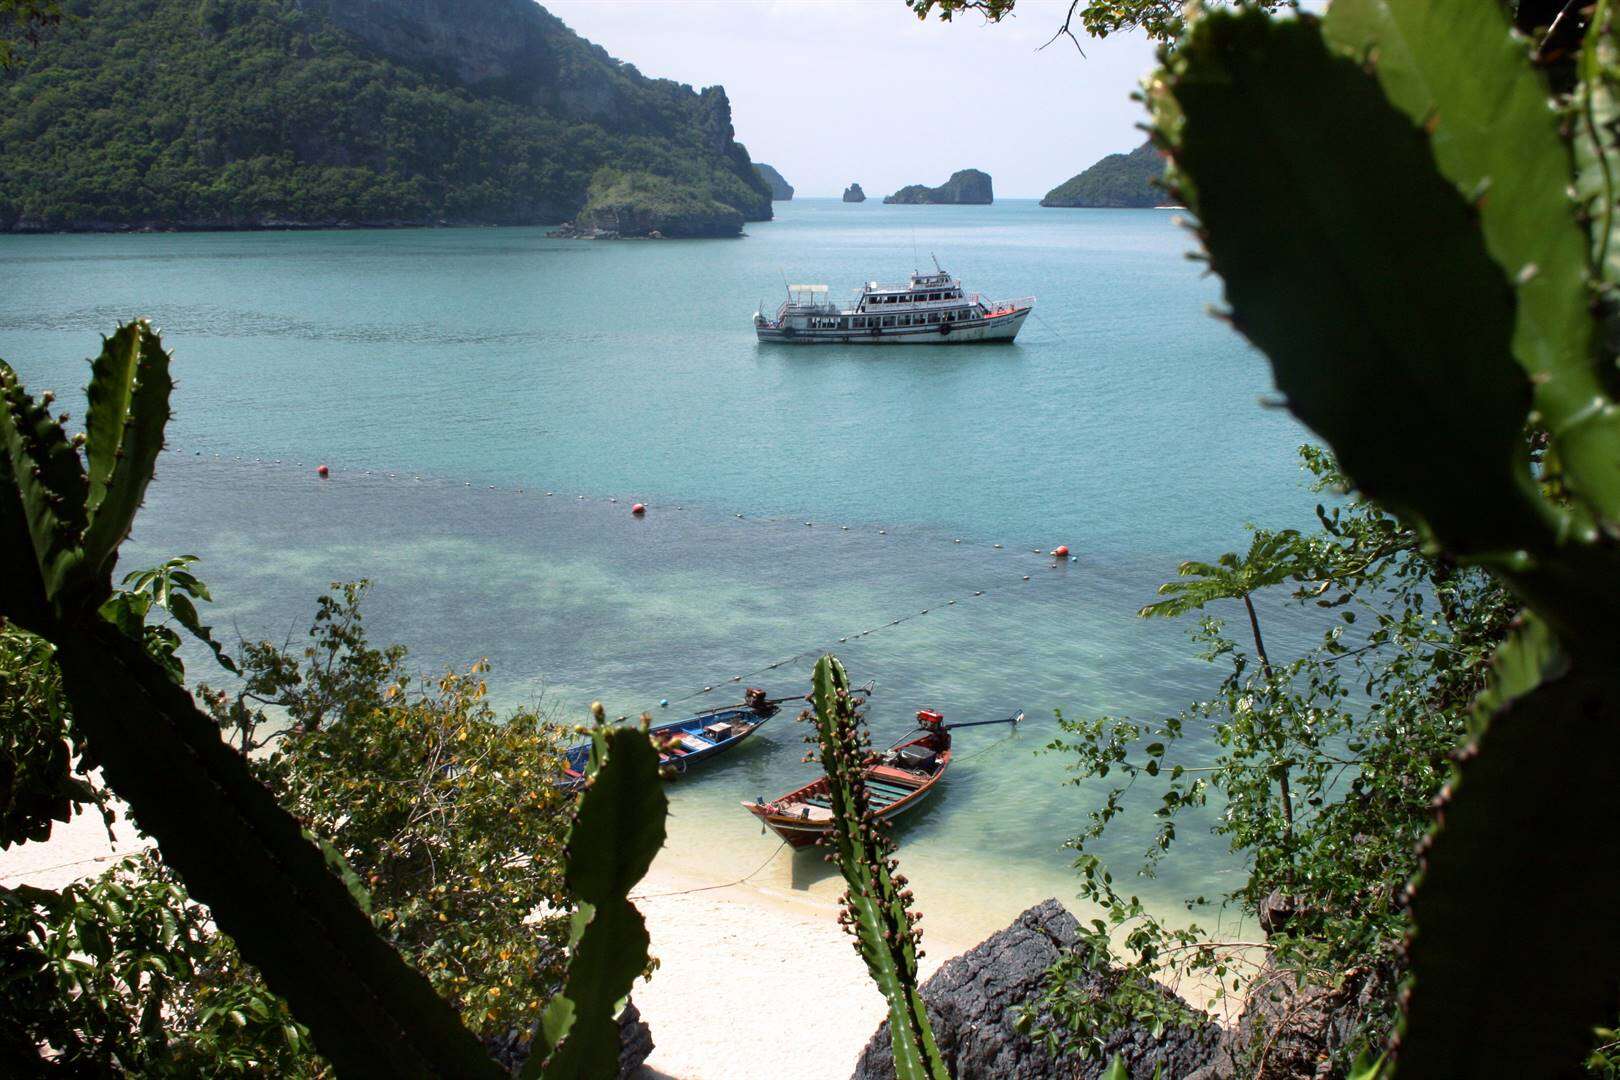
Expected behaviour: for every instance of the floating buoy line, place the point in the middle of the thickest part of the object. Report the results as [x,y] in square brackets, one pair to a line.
[1059,555]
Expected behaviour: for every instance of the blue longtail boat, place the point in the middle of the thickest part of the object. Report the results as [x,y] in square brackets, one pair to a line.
[684,743]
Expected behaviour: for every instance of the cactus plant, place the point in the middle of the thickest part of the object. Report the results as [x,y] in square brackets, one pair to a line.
[877,904]
[62,518]
[1387,204]
[617,830]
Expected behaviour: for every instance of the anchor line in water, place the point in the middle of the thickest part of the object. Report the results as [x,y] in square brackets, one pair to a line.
[812,651]
[381,474]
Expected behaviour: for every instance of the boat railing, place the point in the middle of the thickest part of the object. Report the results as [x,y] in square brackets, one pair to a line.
[795,307]
[1007,307]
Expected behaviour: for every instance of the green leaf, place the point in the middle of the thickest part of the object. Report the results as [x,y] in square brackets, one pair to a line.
[246,858]
[185,613]
[48,479]
[1286,151]
[340,867]
[1457,68]
[1116,1070]
[617,830]
[22,589]
[1597,143]
[1529,657]
[877,910]
[620,824]
[129,407]
[1516,944]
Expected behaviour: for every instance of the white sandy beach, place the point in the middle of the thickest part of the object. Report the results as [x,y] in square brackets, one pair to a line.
[750,984]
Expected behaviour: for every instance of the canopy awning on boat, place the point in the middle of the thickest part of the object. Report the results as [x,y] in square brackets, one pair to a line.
[807,288]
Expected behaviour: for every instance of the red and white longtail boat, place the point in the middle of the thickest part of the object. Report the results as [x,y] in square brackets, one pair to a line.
[897,779]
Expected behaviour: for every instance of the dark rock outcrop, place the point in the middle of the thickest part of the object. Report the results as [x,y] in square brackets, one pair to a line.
[781,190]
[966,187]
[635,1044]
[644,205]
[974,1001]
[1118,181]
[853,193]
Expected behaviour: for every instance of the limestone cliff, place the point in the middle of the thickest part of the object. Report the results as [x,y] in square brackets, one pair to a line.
[270,113]
[853,193]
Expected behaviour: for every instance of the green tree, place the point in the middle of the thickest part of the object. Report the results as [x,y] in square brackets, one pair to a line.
[1364,718]
[22,22]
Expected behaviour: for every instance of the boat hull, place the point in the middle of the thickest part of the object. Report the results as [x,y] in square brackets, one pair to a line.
[803,833]
[804,816]
[686,745]
[998,328]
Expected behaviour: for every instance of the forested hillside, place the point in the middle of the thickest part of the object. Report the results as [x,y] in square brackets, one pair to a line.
[261,113]
[1117,181]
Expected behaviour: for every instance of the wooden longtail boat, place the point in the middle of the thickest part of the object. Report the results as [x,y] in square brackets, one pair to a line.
[684,743]
[897,779]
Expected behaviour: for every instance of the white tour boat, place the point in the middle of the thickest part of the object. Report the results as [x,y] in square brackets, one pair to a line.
[930,309]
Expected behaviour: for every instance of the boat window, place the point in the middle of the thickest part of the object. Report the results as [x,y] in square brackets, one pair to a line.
[934,318]
[905,320]
[888,320]
[843,324]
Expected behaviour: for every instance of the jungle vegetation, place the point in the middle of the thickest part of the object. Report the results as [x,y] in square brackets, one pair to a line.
[1387,782]
[252,113]
[1116,181]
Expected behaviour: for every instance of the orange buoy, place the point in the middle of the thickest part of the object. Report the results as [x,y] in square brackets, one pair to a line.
[1061,551]
[322,471]
[638,509]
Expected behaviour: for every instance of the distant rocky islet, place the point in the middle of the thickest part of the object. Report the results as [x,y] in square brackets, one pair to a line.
[1118,181]
[966,187]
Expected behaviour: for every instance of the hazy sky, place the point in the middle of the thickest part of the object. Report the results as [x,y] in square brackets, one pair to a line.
[831,91]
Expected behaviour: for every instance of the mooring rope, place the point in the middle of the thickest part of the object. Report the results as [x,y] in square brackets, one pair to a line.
[710,888]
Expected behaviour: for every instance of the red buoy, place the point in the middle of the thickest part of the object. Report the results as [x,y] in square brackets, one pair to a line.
[638,509]
[1061,551]
[322,471]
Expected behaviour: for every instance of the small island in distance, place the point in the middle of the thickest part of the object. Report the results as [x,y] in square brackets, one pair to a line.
[965,187]
[1118,181]
[781,190]
[853,193]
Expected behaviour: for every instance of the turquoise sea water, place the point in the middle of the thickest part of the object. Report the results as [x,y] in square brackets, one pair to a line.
[797,495]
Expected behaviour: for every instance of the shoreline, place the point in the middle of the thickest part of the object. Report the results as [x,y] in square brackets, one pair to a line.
[750,981]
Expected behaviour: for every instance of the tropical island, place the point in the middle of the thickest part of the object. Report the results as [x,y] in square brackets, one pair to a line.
[965,187]
[325,855]
[853,193]
[781,190]
[267,115]
[1117,181]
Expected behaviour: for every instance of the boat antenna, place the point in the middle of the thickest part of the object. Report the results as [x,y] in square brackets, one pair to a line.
[914,259]
[937,268]
[785,288]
